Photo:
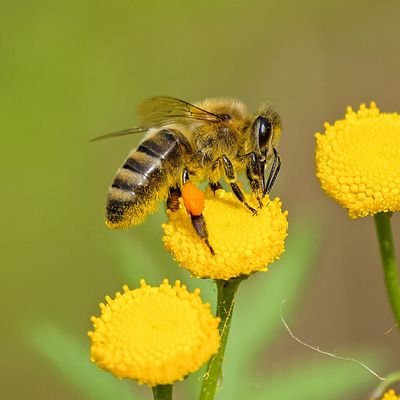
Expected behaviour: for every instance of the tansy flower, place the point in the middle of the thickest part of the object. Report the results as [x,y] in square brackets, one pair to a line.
[242,243]
[390,395]
[155,335]
[358,161]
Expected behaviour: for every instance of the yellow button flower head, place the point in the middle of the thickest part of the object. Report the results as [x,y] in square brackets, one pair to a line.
[358,161]
[243,243]
[390,395]
[155,335]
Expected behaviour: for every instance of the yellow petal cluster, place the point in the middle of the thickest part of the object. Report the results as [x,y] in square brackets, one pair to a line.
[358,161]
[155,335]
[243,243]
[390,395]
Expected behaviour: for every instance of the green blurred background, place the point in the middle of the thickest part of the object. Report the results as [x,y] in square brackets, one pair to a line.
[70,71]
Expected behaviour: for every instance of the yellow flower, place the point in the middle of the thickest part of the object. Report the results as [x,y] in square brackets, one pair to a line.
[358,161]
[155,335]
[390,395]
[243,243]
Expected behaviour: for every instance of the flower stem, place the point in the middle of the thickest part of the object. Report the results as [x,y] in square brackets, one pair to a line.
[389,381]
[384,231]
[225,302]
[162,392]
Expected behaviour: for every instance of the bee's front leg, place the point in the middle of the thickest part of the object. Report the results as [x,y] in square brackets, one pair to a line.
[255,174]
[276,166]
[231,178]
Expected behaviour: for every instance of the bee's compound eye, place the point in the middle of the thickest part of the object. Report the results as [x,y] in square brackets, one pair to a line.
[264,127]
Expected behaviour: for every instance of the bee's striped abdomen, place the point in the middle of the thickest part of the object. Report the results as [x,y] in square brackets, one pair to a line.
[144,179]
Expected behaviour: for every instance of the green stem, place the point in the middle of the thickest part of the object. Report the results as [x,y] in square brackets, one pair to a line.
[225,302]
[384,231]
[390,380]
[162,392]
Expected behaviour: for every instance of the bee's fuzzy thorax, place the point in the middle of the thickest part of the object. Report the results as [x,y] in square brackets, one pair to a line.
[225,105]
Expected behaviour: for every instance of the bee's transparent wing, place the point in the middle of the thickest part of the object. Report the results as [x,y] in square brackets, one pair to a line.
[125,132]
[163,110]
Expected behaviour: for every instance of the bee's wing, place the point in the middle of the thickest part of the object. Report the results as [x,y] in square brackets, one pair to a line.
[129,131]
[163,110]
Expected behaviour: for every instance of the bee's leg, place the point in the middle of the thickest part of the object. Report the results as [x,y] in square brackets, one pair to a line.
[231,178]
[199,225]
[255,174]
[198,221]
[174,193]
[215,186]
[276,166]
[185,176]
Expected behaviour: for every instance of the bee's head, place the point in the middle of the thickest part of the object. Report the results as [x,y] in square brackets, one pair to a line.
[266,130]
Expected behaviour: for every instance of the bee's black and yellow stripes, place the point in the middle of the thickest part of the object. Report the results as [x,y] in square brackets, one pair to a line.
[144,179]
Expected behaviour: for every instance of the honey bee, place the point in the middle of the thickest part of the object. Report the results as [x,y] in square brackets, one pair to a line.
[212,140]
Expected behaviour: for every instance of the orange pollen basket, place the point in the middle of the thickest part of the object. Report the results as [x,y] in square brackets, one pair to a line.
[193,199]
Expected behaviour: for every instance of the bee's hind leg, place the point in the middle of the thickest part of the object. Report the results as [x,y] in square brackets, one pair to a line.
[198,221]
[199,225]
[196,216]
[174,193]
